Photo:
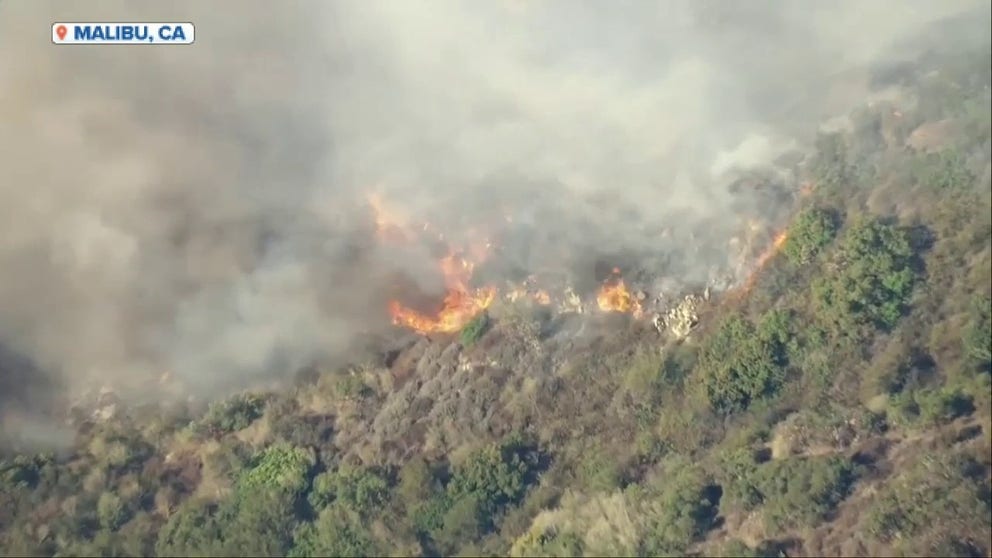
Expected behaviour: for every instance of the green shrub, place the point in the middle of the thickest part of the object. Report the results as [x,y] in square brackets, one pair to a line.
[738,366]
[735,548]
[873,281]
[233,414]
[191,530]
[111,511]
[938,494]
[20,472]
[683,509]
[740,490]
[416,483]
[336,532]
[280,467]
[831,167]
[495,476]
[474,329]
[933,406]
[944,171]
[351,385]
[978,334]
[428,515]
[463,523]
[249,523]
[599,471]
[800,492]
[359,489]
[548,543]
[812,230]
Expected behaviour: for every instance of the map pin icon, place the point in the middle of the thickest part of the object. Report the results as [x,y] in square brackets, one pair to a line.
[60,31]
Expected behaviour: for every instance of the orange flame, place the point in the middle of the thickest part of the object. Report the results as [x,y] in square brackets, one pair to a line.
[542,297]
[461,303]
[763,258]
[613,296]
[527,290]
[776,245]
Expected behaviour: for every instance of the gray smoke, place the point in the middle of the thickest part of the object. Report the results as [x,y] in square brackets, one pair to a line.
[201,209]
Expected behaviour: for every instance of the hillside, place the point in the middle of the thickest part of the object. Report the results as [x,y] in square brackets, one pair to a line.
[839,405]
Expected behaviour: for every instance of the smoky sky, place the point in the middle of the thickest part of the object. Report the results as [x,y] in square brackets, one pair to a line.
[201,209]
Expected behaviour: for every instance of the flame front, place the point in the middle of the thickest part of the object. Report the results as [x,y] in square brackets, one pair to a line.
[542,297]
[459,309]
[461,303]
[773,249]
[614,296]
[777,242]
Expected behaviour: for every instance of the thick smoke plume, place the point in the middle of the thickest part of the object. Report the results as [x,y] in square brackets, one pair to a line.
[201,210]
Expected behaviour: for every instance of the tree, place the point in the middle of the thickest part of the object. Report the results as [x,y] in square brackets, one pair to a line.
[416,483]
[831,166]
[111,511]
[463,523]
[812,230]
[359,489]
[280,467]
[249,523]
[494,476]
[945,171]
[978,334]
[336,532]
[233,414]
[799,492]
[738,365]
[677,510]
[873,281]
[191,531]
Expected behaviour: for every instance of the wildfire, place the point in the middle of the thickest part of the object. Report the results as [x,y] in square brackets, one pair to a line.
[763,258]
[459,309]
[528,290]
[614,296]
[461,303]
[773,249]
[542,297]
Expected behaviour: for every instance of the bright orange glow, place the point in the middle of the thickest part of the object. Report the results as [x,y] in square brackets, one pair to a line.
[542,297]
[459,309]
[614,296]
[763,258]
[461,303]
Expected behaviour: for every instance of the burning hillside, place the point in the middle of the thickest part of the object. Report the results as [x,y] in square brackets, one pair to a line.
[461,302]
[648,292]
[614,296]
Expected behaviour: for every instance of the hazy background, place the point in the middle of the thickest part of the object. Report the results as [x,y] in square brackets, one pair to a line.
[200,209]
